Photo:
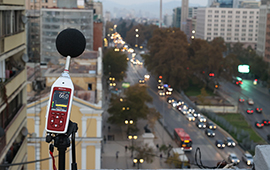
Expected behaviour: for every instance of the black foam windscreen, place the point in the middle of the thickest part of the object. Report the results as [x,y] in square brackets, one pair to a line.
[70,42]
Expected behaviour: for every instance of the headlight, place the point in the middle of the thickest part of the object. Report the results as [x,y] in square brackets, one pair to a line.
[204,126]
[218,145]
[210,127]
[223,145]
[214,134]
[232,160]
[233,144]
[208,134]
[185,112]
[229,143]
[248,162]
[215,127]
[238,160]
[200,125]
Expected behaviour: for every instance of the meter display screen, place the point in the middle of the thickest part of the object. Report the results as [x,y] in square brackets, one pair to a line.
[60,100]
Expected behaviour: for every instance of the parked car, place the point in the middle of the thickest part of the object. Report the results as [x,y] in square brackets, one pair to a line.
[201,118]
[190,117]
[229,142]
[250,101]
[259,124]
[258,109]
[220,144]
[250,111]
[209,133]
[248,159]
[233,158]
[200,125]
[211,125]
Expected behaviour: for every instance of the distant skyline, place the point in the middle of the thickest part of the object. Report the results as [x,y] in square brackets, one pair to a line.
[132,2]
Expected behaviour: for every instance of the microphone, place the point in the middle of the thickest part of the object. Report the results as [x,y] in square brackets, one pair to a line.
[70,42]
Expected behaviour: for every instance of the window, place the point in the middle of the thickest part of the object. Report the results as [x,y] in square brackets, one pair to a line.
[250,17]
[244,26]
[237,26]
[230,16]
[215,33]
[209,25]
[209,20]
[228,34]
[210,11]
[243,39]
[236,34]
[216,25]
[209,16]
[237,21]
[222,16]
[250,26]
[209,33]
[228,38]
[216,29]
[244,12]
[229,20]
[251,12]
[216,12]
[222,25]
[244,16]
[230,12]
[216,20]
[236,39]
[222,29]
[244,21]
[216,16]
[243,34]
[229,29]
[89,86]
[236,30]
[250,21]
[223,12]
[243,30]
[250,35]
[237,16]
[249,39]
[209,29]
[222,20]
[229,25]
[222,34]
[238,12]
[250,30]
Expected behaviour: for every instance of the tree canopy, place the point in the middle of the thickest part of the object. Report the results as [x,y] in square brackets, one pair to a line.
[115,64]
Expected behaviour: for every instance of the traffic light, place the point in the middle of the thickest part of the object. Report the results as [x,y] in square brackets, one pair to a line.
[216,86]
[211,74]
[160,77]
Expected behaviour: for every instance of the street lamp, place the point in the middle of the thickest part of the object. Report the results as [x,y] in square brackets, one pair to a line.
[132,138]
[138,161]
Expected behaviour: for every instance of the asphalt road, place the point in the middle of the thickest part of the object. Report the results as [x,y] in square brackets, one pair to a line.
[210,154]
[260,98]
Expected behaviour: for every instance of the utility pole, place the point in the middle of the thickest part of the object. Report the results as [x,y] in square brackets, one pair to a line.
[160,14]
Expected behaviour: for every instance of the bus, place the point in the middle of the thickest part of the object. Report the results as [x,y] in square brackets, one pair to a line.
[182,139]
[237,80]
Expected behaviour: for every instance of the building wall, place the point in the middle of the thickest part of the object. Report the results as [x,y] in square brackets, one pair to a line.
[267,39]
[98,35]
[13,84]
[233,24]
[38,4]
[184,14]
[88,138]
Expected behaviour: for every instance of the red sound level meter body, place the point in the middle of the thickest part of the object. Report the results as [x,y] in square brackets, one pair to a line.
[59,105]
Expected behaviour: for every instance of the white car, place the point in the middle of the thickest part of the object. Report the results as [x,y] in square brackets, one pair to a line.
[248,159]
[201,118]
[174,104]
[183,109]
[147,76]
[250,101]
[190,117]
[233,158]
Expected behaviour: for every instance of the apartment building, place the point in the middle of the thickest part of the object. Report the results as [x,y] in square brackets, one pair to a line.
[86,74]
[233,24]
[13,138]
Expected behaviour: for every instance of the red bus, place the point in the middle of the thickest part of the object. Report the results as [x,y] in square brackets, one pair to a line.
[182,139]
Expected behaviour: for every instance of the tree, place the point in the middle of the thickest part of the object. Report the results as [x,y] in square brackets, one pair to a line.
[174,160]
[115,64]
[134,104]
[169,56]
[145,152]
[165,149]
[152,117]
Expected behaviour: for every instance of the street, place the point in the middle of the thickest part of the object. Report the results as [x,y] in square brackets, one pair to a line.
[211,155]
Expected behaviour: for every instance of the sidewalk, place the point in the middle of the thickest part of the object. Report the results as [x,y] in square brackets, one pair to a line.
[124,160]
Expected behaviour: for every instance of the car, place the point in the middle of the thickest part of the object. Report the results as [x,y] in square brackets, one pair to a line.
[250,101]
[183,109]
[248,159]
[258,109]
[229,142]
[160,86]
[191,110]
[259,124]
[190,117]
[241,99]
[146,76]
[141,81]
[161,93]
[200,125]
[266,122]
[174,104]
[250,111]
[211,125]
[210,133]
[195,114]
[233,158]
[170,99]
[201,118]
[180,102]
[220,144]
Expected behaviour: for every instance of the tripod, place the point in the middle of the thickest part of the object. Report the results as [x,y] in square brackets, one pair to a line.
[62,142]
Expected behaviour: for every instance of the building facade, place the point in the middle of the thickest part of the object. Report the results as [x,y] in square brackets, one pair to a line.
[184,14]
[54,20]
[233,24]
[263,44]
[86,73]
[13,139]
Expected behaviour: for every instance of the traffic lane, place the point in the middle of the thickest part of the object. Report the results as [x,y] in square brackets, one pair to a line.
[252,118]
[173,119]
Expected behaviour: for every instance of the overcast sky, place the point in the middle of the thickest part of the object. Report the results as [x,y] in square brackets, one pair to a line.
[131,2]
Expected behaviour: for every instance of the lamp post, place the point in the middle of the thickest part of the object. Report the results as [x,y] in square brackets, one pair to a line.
[132,138]
[137,36]
[138,161]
